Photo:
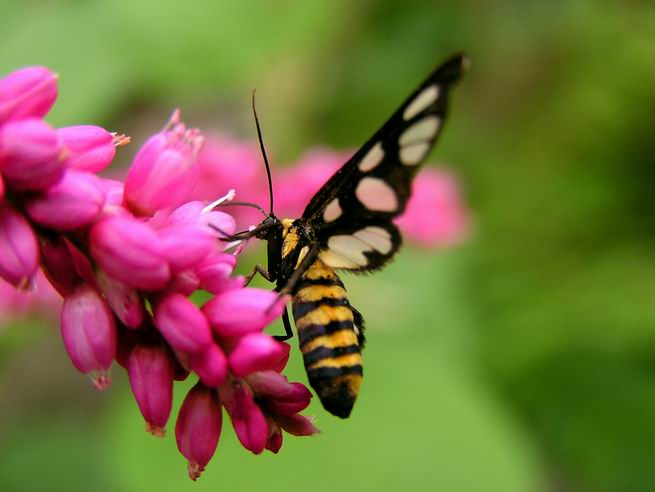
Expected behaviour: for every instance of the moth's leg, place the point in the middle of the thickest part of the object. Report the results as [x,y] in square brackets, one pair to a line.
[288,332]
[297,274]
[262,271]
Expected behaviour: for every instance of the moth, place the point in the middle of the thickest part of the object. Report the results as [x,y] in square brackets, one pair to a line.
[348,225]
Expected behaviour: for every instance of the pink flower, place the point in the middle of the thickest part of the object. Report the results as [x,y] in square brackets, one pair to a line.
[89,148]
[73,202]
[281,397]
[182,324]
[150,370]
[130,251]
[210,365]
[435,214]
[89,333]
[185,282]
[113,191]
[274,439]
[187,244]
[255,352]
[297,425]
[59,265]
[196,213]
[247,418]
[198,428]
[214,271]
[238,312]
[164,171]
[124,300]
[18,247]
[31,155]
[27,93]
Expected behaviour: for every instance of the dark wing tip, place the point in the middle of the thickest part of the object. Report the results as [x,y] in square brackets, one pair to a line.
[453,68]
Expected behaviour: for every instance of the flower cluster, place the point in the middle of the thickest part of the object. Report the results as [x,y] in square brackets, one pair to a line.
[125,257]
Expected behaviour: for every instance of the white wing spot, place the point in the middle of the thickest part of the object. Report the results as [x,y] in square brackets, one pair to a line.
[377,237]
[349,248]
[332,211]
[421,102]
[372,158]
[420,131]
[335,260]
[375,194]
[414,154]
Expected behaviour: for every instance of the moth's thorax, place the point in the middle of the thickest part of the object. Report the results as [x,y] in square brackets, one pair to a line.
[295,234]
[290,237]
[295,245]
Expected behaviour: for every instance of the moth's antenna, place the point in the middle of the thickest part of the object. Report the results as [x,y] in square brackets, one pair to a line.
[261,146]
[244,204]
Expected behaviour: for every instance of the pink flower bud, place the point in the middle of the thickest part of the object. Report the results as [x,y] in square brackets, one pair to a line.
[210,365]
[58,264]
[247,418]
[113,191]
[240,311]
[255,352]
[31,155]
[89,148]
[182,324]
[282,362]
[274,439]
[186,245]
[123,300]
[130,251]
[19,251]
[164,171]
[185,283]
[83,265]
[297,425]
[27,93]
[180,373]
[214,272]
[280,397]
[126,340]
[198,428]
[150,370]
[71,203]
[194,213]
[187,213]
[89,333]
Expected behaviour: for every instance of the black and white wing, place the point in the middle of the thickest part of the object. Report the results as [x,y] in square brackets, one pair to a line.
[352,213]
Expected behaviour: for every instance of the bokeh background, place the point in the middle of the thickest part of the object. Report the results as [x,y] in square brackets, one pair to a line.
[522,360]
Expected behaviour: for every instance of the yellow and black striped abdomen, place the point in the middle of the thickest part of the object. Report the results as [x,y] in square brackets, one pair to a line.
[329,338]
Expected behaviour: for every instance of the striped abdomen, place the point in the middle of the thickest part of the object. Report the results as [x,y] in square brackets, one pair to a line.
[330,338]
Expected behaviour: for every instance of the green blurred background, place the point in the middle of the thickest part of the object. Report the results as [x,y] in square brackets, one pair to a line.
[521,361]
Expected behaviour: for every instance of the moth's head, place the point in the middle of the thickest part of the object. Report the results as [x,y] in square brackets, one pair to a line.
[269,227]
